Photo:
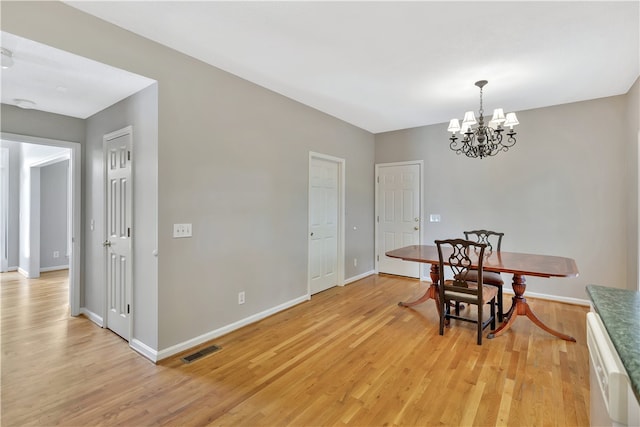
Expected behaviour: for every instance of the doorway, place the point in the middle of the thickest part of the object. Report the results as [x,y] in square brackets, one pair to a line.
[49,213]
[326,222]
[398,214]
[29,257]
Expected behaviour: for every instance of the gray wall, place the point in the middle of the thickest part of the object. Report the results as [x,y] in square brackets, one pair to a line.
[633,136]
[562,190]
[39,123]
[141,112]
[53,214]
[233,161]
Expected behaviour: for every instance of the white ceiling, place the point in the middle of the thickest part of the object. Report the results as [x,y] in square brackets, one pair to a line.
[63,83]
[388,65]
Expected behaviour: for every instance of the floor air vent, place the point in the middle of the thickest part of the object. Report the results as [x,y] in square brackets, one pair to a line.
[200,354]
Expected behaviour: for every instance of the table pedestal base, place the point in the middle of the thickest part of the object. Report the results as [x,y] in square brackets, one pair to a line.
[432,293]
[520,307]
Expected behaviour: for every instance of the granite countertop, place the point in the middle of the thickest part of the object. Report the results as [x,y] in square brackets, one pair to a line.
[619,310]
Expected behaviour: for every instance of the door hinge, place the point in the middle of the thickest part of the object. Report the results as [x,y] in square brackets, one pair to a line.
[378,218]
[129,155]
[128,309]
[377,257]
[128,231]
[378,179]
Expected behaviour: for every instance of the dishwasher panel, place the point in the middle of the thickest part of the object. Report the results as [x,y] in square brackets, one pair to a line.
[609,382]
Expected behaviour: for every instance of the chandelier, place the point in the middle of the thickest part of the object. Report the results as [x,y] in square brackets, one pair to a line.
[483,140]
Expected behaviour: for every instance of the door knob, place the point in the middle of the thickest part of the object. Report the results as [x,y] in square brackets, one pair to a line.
[417,219]
[106,243]
[312,233]
[416,228]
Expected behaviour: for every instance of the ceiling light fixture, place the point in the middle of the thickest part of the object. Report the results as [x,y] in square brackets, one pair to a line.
[482,141]
[24,103]
[7,58]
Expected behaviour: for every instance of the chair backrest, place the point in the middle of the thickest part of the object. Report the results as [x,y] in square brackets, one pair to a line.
[486,237]
[460,255]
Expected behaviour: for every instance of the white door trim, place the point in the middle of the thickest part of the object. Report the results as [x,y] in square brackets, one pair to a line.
[75,171]
[105,139]
[341,216]
[637,167]
[4,213]
[420,164]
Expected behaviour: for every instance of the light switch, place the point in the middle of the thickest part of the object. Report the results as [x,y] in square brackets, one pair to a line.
[181,230]
[434,218]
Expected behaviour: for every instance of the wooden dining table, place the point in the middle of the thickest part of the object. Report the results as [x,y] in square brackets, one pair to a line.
[518,264]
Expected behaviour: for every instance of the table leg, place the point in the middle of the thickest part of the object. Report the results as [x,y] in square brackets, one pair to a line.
[519,307]
[431,293]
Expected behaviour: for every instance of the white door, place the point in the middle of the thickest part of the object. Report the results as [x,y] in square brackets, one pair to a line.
[398,216]
[118,241]
[323,224]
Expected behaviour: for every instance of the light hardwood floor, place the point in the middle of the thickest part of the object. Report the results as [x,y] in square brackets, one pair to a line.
[350,356]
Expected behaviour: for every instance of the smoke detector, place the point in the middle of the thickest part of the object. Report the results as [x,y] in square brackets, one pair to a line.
[7,58]
[24,103]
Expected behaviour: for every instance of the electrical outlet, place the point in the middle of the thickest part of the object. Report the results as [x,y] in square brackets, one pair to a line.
[355,262]
[241,297]
[56,254]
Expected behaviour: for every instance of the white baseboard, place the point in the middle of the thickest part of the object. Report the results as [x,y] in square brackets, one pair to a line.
[138,346]
[358,277]
[144,350]
[557,298]
[175,349]
[42,270]
[507,290]
[54,268]
[92,316]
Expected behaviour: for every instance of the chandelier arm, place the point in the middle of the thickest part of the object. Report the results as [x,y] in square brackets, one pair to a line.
[511,141]
[458,147]
[498,138]
[463,147]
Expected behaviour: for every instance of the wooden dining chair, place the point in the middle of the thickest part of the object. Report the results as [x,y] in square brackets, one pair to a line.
[493,240]
[459,259]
